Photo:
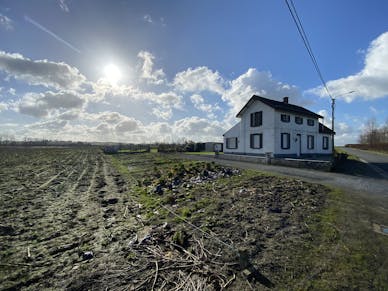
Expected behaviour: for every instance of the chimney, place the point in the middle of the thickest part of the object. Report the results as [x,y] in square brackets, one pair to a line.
[285,100]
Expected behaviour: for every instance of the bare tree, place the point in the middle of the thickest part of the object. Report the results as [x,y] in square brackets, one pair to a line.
[374,135]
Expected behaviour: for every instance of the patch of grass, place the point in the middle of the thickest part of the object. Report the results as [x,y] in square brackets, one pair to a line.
[343,251]
[202,153]
[349,156]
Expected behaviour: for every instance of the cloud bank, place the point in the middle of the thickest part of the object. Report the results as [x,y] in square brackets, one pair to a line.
[196,104]
[370,83]
[41,72]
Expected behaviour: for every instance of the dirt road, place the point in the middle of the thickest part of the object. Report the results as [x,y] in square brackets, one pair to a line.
[376,162]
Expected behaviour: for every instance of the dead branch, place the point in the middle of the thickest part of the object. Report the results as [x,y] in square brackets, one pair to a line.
[156,275]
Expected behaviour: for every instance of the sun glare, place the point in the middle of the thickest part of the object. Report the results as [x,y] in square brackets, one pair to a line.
[112,74]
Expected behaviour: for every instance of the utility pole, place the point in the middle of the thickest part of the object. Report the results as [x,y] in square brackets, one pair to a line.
[332,118]
[332,125]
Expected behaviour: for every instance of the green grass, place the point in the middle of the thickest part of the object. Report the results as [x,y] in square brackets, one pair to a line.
[344,252]
[202,153]
[350,157]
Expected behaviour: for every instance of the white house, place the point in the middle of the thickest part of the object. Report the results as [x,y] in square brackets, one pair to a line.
[279,128]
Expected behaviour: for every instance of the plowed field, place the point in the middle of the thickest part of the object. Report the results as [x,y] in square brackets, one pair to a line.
[77,219]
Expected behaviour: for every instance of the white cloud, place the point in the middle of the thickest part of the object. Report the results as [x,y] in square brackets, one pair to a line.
[167,100]
[48,125]
[70,114]
[326,117]
[345,134]
[103,126]
[63,6]
[12,91]
[3,106]
[70,109]
[147,68]
[198,129]
[198,80]
[102,89]
[6,22]
[371,82]
[41,72]
[162,113]
[127,125]
[41,104]
[199,103]
[116,127]
[111,119]
[255,82]
[147,18]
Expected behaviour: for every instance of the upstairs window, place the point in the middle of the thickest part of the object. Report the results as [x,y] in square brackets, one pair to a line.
[310,122]
[310,142]
[285,118]
[285,141]
[231,143]
[256,141]
[256,119]
[298,120]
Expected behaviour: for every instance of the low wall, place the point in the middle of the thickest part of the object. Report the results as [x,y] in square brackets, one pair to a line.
[288,162]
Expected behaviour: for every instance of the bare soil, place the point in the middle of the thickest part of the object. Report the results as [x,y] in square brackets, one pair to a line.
[77,219]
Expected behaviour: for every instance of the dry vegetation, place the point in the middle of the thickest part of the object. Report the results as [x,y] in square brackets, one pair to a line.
[77,219]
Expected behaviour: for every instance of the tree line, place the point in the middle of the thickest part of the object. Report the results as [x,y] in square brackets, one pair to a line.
[373,136]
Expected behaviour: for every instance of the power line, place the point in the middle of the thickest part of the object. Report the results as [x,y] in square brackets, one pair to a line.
[302,33]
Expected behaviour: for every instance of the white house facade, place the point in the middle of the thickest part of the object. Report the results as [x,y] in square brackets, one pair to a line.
[278,128]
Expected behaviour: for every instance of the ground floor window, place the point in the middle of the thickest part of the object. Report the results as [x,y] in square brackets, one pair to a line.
[231,143]
[325,143]
[256,141]
[310,142]
[285,141]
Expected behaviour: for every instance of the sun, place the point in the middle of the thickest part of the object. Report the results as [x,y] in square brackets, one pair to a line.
[112,74]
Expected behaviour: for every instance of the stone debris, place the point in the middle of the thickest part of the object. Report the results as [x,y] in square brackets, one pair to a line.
[187,179]
[87,255]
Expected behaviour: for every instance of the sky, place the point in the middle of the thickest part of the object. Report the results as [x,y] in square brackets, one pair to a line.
[175,70]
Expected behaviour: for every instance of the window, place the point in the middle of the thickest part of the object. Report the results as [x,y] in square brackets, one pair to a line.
[285,118]
[310,122]
[231,143]
[325,143]
[256,118]
[310,142]
[257,141]
[298,120]
[285,141]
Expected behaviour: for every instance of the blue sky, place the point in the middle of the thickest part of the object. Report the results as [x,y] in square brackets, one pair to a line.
[144,71]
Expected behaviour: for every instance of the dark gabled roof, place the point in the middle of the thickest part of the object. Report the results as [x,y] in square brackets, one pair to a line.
[324,129]
[281,106]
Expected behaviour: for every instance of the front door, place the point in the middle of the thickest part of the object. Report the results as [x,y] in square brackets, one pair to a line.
[298,145]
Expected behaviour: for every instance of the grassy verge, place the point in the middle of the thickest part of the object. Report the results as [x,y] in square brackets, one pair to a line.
[202,153]
[344,252]
[349,156]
